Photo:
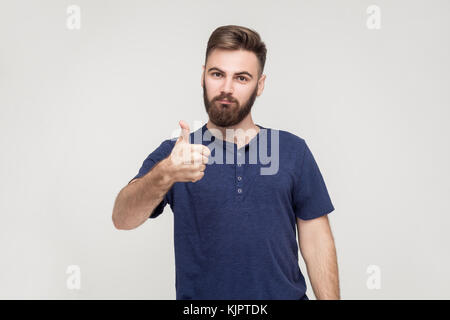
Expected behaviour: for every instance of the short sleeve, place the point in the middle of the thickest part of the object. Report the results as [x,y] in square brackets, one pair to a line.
[152,159]
[310,195]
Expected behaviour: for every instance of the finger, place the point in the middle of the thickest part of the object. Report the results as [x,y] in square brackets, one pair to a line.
[196,158]
[198,176]
[198,167]
[185,132]
[206,152]
[182,153]
[187,155]
[201,149]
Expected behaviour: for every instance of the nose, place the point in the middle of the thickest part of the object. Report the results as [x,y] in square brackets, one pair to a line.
[227,87]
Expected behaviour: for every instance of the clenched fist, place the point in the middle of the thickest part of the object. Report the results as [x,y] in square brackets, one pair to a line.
[187,162]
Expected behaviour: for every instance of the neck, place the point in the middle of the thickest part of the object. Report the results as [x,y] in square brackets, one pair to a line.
[241,133]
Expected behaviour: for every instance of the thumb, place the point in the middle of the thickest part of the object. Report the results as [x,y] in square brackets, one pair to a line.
[185,132]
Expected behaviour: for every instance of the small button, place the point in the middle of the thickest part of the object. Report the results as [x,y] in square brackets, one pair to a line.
[239,178]
[239,190]
[239,164]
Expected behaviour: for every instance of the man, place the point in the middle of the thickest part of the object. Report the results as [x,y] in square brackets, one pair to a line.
[234,223]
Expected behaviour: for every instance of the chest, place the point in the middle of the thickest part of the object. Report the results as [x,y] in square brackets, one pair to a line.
[233,186]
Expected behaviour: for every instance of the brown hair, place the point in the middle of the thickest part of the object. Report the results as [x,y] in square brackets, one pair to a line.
[234,37]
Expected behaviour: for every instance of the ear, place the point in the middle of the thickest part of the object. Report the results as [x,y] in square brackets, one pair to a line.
[261,84]
[203,74]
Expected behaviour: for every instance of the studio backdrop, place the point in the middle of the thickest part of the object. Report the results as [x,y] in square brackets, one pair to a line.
[89,88]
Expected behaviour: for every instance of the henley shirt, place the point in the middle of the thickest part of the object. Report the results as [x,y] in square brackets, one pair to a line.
[235,229]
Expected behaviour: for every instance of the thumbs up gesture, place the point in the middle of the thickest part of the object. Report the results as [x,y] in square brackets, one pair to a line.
[188,161]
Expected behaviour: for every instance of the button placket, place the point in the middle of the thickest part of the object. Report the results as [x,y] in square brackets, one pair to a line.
[239,182]
[239,177]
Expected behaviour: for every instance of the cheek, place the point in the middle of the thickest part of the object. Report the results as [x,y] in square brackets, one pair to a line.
[212,89]
[241,94]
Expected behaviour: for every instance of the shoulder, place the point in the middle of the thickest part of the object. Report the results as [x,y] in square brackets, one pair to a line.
[161,151]
[288,141]
[168,144]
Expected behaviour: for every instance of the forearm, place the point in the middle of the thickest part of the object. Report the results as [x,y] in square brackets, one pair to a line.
[321,263]
[137,200]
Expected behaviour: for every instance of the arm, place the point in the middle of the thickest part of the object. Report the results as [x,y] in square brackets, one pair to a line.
[136,201]
[318,250]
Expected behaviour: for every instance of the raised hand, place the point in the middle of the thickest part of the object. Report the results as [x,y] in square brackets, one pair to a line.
[187,161]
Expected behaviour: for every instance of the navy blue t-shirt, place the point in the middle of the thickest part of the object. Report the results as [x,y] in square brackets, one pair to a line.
[235,229]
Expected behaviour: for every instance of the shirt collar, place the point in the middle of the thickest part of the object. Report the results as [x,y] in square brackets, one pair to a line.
[231,146]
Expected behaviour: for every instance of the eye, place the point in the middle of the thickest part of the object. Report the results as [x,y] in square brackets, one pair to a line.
[242,78]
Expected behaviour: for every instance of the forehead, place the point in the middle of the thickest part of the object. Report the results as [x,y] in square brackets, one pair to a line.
[232,61]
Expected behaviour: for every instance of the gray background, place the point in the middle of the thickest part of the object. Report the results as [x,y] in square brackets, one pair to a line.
[81,109]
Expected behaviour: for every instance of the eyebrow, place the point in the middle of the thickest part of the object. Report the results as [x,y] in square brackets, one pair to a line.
[237,73]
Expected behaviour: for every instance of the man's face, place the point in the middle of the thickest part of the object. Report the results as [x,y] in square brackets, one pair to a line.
[231,76]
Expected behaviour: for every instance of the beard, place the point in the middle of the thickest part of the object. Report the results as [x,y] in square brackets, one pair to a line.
[225,115]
